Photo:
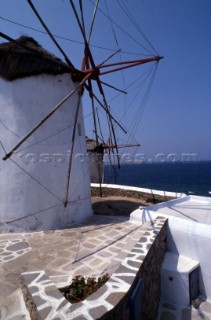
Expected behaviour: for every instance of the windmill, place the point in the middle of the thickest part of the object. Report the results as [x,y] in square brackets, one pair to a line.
[89,74]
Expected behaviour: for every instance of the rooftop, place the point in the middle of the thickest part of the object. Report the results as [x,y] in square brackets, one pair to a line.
[25,57]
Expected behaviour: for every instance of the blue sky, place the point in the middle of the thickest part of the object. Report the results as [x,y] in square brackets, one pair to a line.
[177,116]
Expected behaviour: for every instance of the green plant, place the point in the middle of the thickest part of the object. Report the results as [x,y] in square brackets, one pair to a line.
[79,289]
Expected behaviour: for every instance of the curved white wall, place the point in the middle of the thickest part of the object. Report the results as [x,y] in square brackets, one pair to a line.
[184,237]
[23,103]
[193,240]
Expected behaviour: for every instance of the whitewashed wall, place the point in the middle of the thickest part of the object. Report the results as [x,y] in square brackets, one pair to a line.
[23,103]
[192,240]
[184,237]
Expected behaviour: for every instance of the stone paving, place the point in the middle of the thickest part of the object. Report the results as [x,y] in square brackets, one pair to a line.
[45,302]
[91,249]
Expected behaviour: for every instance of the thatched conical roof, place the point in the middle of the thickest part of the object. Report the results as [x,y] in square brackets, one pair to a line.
[25,57]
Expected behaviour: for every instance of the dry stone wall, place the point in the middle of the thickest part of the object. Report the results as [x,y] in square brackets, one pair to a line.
[118,192]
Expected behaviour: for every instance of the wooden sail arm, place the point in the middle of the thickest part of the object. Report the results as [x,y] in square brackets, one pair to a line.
[140,61]
[121,146]
[123,65]
[49,33]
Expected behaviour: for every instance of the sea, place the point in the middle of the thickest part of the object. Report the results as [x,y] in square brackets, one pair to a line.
[186,177]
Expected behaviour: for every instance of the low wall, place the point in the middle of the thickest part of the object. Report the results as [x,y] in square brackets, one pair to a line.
[151,270]
[146,195]
[113,301]
[186,236]
[192,240]
[150,273]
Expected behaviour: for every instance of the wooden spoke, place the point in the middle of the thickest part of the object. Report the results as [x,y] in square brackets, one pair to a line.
[96,133]
[109,116]
[82,17]
[78,21]
[122,146]
[112,87]
[129,64]
[111,56]
[84,36]
[49,33]
[93,19]
[100,103]
[72,150]
[142,61]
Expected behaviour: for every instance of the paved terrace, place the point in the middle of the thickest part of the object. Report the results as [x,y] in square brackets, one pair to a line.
[90,249]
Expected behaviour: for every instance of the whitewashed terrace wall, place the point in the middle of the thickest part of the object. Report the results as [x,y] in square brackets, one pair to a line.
[192,240]
[184,237]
